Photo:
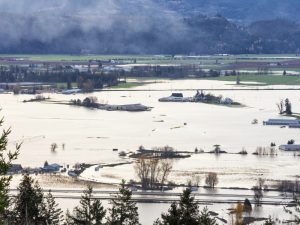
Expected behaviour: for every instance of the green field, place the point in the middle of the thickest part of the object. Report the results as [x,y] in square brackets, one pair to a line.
[77,57]
[216,60]
[64,85]
[262,79]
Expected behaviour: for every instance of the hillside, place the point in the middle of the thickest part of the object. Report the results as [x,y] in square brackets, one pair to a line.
[146,27]
[242,11]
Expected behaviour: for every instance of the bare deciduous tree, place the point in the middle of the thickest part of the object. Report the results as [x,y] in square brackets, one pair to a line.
[142,170]
[258,195]
[211,179]
[258,191]
[280,107]
[166,167]
[153,172]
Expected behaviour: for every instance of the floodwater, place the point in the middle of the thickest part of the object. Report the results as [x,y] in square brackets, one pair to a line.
[149,212]
[90,135]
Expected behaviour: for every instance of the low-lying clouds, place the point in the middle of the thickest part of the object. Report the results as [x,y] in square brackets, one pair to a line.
[97,25]
[122,26]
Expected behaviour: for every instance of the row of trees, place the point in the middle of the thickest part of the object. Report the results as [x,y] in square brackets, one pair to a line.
[91,211]
[154,172]
[91,101]
[85,80]
[31,207]
[175,71]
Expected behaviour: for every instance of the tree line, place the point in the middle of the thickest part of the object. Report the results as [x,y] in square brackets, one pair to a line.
[60,74]
[31,206]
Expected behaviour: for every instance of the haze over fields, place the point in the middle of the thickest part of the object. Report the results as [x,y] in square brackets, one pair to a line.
[149,26]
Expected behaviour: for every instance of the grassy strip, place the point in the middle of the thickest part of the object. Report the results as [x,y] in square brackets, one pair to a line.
[64,85]
[262,79]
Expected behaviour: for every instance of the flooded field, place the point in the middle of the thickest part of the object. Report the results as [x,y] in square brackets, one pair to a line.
[90,135]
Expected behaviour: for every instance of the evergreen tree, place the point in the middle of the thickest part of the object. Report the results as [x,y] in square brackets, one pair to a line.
[124,211]
[68,220]
[6,158]
[29,205]
[188,208]
[270,221]
[53,214]
[170,218]
[90,211]
[205,218]
[186,213]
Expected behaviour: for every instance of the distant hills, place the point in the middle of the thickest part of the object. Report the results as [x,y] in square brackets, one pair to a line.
[149,26]
[242,11]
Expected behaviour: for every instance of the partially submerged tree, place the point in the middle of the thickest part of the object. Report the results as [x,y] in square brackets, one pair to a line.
[285,107]
[142,170]
[258,191]
[90,101]
[217,149]
[6,159]
[211,179]
[280,107]
[153,172]
[166,167]
[195,181]
[53,147]
[288,107]
[89,212]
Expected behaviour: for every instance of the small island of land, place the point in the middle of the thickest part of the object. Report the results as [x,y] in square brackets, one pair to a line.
[201,97]
[92,102]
